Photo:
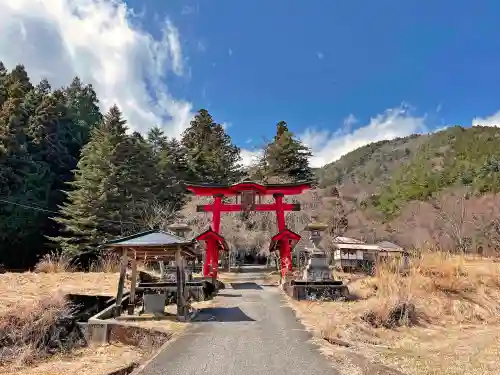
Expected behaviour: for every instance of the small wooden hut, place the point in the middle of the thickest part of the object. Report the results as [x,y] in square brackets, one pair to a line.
[354,255]
[152,245]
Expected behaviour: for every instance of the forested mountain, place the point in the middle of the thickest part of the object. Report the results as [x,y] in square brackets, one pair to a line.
[420,166]
[439,188]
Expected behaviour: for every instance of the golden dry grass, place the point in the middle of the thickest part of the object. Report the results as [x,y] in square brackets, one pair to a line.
[31,286]
[53,263]
[29,304]
[98,360]
[441,318]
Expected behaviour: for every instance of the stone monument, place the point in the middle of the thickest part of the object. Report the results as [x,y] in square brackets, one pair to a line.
[317,268]
[317,280]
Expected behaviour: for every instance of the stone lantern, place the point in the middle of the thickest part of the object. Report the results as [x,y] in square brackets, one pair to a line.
[179,229]
[317,268]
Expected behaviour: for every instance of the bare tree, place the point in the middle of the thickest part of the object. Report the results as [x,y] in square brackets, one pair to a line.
[453,220]
[488,220]
[159,216]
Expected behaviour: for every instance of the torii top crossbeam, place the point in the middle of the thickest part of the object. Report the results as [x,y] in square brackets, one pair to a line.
[246,185]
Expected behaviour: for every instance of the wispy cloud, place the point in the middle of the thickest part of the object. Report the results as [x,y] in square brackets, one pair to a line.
[230,52]
[201,46]
[493,120]
[329,146]
[102,43]
[320,55]
[190,9]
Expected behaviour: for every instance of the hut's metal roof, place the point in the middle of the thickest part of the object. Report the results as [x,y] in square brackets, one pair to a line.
[389,246]
[356,246]
[152,238]
[346,240]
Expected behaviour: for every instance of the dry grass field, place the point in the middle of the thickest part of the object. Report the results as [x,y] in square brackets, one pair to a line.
[443,317]
[32,305]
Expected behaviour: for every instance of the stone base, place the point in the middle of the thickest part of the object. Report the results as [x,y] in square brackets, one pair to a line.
[316,290]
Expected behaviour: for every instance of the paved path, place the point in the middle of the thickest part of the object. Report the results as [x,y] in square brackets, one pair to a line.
[249,331]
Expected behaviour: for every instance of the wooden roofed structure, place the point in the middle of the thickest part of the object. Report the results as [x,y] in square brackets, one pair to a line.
[154,245]
[151,245]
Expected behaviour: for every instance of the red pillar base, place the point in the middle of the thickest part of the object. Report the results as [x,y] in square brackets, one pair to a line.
[285,257]
[208,261]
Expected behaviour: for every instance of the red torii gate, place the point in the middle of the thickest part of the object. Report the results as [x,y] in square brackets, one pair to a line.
[247,191]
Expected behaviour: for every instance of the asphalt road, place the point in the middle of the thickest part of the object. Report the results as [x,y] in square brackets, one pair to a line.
[249,331]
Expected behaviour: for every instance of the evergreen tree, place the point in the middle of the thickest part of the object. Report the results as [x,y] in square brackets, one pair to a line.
[3,84]
[96,207]
[285,157]
[210,154]
[83,113]
[136,176]
[48,150]
[20,177]
[172,172]
[157,139]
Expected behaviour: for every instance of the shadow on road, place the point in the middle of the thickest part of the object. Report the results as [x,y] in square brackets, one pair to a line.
[246,285]
[228,295]
[222,314]
[254,268]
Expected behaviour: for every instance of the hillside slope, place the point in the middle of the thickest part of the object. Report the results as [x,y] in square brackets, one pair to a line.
[372,163]
[439,187]
[416,167]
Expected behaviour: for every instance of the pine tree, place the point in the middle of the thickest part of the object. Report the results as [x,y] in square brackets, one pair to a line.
[3,84]
[95,207]
[136,176]
[19,176]
[157,139]
[172,172]
[83,113]
[48,151]
[210,154]
[286,157]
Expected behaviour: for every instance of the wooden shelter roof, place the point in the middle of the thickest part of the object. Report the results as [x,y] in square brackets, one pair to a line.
[154,244]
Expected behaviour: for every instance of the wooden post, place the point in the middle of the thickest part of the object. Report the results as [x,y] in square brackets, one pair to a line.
[180,282]
[121,283]
[133,282]
[162,270]
[185,289]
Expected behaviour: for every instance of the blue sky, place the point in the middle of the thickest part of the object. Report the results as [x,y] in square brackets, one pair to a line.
[313,64]
[341,73]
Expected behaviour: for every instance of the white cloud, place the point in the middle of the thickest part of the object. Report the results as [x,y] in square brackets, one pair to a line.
[328,147]
[250,157]
[102,43]
[493,120]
